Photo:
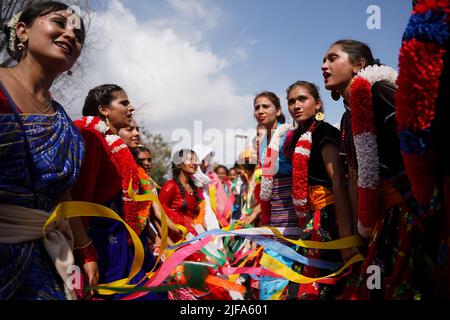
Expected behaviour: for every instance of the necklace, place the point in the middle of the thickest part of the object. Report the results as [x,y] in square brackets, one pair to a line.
[46,105]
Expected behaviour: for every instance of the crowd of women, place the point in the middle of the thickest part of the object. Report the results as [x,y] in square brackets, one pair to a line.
[312,212]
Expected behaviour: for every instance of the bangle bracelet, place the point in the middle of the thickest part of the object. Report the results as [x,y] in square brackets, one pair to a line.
[85,246]
[86,254]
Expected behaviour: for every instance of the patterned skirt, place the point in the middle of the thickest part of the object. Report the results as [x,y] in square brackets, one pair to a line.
[282,215]
[282,211]
[405,251]
[27,273]
[320,226]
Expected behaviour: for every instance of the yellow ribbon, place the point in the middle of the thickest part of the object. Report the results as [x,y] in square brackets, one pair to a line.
[281,269]
[72,209]
[165,229]
[343,243]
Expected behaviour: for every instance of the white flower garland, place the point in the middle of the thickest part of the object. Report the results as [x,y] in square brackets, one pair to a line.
[365,141]
[379,73]
[12,31]
[274,146]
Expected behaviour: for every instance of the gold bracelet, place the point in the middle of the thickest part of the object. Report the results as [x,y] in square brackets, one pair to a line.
[85,246]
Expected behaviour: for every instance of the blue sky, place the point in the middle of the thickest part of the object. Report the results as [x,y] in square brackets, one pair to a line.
[285,40]
[184,61]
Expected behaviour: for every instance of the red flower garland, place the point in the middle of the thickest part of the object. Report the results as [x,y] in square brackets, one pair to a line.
[421,64]
[421,67]
[300,173]
[363,129]
[128,170]
[425,5]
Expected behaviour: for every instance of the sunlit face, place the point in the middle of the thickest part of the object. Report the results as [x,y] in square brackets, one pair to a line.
[53,39]
[232,174]
[337,69]
[119,112]
[222,174]
[265,112]
[302,105]
[145,159]
[189,165]
[130,135]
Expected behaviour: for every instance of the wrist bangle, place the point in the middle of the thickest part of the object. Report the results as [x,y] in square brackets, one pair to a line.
[85,254]
[85,246]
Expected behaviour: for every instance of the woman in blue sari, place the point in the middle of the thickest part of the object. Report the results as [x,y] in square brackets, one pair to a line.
[40,157]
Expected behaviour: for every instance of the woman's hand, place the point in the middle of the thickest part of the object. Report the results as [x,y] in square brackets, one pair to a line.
[349,253]
[91,272]
[247,220]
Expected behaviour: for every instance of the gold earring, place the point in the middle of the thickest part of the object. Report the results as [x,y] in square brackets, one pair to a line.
[21,45]
[320,116]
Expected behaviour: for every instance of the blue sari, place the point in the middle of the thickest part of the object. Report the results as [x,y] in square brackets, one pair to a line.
[40,159]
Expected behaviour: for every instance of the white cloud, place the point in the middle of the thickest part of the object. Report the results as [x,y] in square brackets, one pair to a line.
[171,80]
[198,10]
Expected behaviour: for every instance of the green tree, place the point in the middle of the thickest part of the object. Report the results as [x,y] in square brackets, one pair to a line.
[161,154]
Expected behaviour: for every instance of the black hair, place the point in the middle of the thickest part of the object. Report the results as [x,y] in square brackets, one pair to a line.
[356,51]
[141,148]
[181,155]
[312,88]
[99,96]
[276,102]
[29,15]
[221,167]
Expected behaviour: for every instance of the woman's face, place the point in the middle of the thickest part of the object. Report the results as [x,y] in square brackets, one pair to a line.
[337,69]
[232,174]
[189,165]
[302,105]
[130,135]
[145,161]
[119,112]
[265,112]
[222,174]
[54,39]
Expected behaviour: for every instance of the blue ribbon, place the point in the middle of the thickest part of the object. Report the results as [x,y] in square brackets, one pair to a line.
[268,243]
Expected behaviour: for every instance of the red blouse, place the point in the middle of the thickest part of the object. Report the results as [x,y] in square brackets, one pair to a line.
[100,180]
[172,202]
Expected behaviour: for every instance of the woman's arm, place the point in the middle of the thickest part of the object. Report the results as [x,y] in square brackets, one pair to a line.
[344,212]
[158,214]
[82,241]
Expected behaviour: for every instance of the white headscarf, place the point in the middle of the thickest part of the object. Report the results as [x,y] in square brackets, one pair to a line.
[200,178]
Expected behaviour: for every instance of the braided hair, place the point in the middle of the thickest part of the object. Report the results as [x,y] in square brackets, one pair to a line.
[181,155]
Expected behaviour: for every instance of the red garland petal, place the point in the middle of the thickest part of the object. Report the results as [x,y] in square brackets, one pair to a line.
[363,119]
[368,206]
[420,67]
[425,5]
[422,175]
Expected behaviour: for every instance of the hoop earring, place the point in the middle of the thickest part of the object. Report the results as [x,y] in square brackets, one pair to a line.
[320,116]
[335,95]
